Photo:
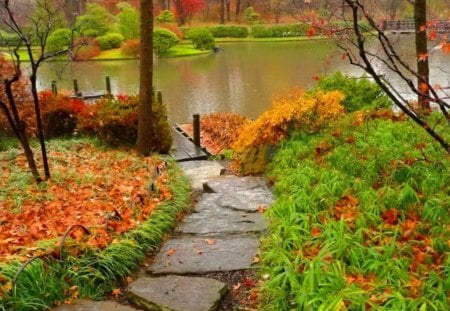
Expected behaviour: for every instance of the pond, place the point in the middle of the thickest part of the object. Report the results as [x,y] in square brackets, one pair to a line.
[243,78]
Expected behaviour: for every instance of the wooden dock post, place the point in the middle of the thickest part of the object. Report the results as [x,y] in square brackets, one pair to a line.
[54,88]
[159,97]
[76,91]
[196,128]
[108,86]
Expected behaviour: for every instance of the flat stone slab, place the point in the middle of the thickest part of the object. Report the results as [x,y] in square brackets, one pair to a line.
[195,255]
[88,305]
[209,218]
[177,293]
[200,171]
[229,222]
[232,183]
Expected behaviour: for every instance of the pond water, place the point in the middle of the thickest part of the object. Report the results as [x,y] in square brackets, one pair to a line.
[243,78]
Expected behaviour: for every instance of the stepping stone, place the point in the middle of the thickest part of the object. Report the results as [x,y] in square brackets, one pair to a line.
[194,255]
[200,171]
[232,183]
[209,218]
[229,222]
[88,305]
[176,293]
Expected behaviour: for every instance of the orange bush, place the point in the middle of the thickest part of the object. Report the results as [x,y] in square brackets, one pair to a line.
[254,145]
[131,47]
[295,110]
[222,128]
[86,48]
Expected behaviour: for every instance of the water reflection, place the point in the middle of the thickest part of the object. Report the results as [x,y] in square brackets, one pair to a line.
[243,78]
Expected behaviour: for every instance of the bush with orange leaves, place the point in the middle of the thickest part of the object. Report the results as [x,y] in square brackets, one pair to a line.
[298,110]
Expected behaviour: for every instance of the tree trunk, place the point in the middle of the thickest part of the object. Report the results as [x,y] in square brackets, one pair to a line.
[222,11]
[228,10]
[145,126]
[238,9]
[40,128]
[423,69]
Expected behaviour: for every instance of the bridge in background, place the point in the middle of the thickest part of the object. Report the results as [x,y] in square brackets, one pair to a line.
[407,26]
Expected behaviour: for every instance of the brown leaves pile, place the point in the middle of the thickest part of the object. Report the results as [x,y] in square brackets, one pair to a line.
[106,191]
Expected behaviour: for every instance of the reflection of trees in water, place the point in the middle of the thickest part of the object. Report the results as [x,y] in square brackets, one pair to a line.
[243,79]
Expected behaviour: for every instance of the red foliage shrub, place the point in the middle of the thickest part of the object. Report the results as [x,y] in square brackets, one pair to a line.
[60,113]
[22,95]
[86,48]
[131,47]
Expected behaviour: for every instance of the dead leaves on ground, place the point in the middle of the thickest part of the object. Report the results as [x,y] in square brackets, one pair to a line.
[103,190]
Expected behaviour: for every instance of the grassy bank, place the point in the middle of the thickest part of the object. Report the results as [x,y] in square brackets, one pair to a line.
[80,268]
[360,220]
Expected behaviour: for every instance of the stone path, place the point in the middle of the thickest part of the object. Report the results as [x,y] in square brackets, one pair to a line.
[221,235]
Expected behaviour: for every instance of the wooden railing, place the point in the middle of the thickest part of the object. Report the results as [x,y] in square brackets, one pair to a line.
[407,25]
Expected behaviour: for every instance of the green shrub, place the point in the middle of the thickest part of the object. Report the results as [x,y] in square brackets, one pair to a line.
[8,39]
[59,40]
[110,41]
[360,93]
[250,16]
[95,22]
[278,31]
[260,31]
[163,39]
[202,38]
[128,21]
[231,31]
[166,16]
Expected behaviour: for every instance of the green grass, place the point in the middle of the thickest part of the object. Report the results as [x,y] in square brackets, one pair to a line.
[184,49]
[113,54]
[95,272]
[313,256]
[278,39]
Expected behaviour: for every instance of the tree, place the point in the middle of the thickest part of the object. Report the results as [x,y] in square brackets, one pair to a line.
[128,21]
[186,9]
[413,79]
[145,126]
[95,22]
[32,29]
[421,40]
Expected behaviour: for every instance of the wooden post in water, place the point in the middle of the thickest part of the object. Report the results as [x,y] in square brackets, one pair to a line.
[196,128]
[54,88]
[159,97]
[108,86]
[75,87]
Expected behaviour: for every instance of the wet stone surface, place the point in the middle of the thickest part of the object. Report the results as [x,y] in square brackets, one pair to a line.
[195,255]
[178,293]
[87,305]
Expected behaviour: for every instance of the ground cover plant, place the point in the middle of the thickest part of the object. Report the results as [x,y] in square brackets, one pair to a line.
[360,220]
[125,202]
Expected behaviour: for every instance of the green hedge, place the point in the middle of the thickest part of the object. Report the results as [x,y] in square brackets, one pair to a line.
[96,272]
[202,38]
[163,40]
[278,31]
[229,31]
[360,93]
[8,39]
[110,41]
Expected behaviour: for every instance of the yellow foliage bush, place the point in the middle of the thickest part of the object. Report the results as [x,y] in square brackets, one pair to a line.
[298,109]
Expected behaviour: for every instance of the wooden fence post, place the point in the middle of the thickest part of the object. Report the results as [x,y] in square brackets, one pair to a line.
[54,88]
[196,128]
[108,86]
